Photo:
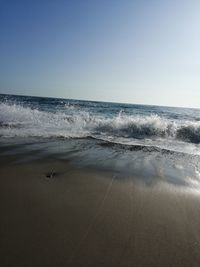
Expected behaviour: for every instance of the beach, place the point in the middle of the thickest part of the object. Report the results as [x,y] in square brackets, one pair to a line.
[99,133]
[87,183]
[88,217]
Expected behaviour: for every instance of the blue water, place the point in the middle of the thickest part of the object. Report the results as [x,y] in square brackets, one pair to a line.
[151,142]
[174,129]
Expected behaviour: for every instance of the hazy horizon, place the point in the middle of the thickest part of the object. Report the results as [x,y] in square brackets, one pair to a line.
[135,52]
[101,101]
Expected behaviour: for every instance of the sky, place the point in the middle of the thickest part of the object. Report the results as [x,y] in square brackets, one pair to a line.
[130,51]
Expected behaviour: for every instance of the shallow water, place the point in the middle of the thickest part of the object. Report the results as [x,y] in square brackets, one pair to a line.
[175,129]
[149,142]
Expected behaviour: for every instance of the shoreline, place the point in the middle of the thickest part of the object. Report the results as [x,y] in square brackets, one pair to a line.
[87,217]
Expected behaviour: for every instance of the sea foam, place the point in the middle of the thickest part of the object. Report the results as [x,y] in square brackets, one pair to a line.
[73,122]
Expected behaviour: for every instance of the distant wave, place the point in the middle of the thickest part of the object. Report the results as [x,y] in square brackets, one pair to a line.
[72,122]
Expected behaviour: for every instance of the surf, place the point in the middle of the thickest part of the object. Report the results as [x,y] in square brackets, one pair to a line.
[128,125]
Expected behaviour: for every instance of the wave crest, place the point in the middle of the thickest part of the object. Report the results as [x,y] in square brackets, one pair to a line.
[73,122]
[138,127]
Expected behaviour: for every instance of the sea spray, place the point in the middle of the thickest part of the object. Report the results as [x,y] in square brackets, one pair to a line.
[119,123]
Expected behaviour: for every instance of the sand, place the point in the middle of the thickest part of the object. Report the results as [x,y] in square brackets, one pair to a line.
[85,217]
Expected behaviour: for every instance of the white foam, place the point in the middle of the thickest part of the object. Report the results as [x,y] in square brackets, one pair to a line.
[17,120]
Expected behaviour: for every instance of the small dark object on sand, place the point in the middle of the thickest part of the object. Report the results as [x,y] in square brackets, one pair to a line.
[50,174]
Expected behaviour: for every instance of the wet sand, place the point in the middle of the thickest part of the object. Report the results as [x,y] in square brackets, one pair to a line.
[85,217]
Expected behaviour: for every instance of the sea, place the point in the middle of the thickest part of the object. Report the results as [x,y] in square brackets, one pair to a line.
[135,139]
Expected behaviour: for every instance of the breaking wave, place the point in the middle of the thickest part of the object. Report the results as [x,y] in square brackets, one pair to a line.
[74,122]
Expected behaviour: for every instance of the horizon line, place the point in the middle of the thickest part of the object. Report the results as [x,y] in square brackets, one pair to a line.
[102,101]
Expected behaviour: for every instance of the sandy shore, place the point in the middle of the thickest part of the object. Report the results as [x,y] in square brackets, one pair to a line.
[85,217]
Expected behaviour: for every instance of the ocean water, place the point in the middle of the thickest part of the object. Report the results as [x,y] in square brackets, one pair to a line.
[176,129]
[105,134]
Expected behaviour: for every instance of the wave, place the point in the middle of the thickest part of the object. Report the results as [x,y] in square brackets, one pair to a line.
[74,122]
[144,148]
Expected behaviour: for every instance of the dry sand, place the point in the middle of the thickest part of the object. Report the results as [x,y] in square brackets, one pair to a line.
[85,217]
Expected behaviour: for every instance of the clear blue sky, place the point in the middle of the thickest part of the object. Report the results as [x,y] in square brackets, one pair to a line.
[122,51]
